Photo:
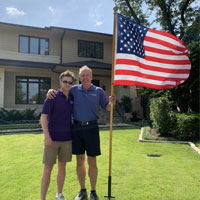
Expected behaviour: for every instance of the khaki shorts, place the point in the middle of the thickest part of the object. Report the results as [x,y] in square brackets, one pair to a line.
[61,149]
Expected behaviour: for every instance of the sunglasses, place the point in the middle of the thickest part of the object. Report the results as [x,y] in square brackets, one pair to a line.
[68,82]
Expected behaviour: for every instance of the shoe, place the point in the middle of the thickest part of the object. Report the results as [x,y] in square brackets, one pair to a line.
[93,196]
[60,196]
[81,195]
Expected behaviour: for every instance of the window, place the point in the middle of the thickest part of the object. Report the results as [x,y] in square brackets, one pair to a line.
[33,45]
[90,49]
[31,90]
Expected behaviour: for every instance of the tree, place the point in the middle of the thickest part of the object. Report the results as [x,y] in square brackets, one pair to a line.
[182,19]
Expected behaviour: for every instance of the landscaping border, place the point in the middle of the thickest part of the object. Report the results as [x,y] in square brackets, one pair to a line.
[192,145]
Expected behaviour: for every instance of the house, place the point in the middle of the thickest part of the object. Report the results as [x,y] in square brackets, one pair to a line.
[31,59]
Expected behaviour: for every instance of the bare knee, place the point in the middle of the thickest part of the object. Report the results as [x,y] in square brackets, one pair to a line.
[48,169]
[61,166]
[80,160]
[92,161]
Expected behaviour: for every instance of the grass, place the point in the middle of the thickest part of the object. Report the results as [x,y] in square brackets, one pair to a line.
[175,175]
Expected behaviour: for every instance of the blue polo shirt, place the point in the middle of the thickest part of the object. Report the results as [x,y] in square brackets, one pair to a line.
[87,103]
[59,111]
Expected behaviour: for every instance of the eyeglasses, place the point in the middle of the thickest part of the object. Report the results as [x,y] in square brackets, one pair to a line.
[68,82]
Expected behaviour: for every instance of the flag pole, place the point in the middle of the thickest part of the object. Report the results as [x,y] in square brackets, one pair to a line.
[111,109]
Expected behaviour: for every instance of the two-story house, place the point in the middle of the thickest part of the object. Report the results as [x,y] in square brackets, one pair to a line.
[32,58]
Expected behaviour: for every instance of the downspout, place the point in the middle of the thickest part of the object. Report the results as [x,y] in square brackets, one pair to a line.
[61,47]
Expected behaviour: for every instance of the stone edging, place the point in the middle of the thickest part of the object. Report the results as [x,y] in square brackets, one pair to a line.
[192,145]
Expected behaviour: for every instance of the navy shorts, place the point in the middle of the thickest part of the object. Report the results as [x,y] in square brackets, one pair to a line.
[85,138]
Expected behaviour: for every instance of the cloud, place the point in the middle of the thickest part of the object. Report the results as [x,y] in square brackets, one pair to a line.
[98,23]
[95,16]
[14,12]
[51,9]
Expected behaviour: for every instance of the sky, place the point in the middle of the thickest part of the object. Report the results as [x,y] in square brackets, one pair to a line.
[90,15]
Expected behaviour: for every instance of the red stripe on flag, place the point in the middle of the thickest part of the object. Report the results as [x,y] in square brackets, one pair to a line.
[167,35]
[161,51]
[166,61]
[153,86]
[147,76]
[164,43]
[143,66]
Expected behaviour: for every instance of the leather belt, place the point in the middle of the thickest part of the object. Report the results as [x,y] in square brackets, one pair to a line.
[85,123]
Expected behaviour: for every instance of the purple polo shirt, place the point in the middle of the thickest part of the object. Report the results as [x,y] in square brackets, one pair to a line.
[59,111]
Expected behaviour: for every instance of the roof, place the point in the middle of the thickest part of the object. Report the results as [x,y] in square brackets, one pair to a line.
[54,27]
[20,63]
[92,64]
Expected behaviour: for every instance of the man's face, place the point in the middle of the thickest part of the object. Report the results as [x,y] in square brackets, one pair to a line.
[66,83]
[86,77]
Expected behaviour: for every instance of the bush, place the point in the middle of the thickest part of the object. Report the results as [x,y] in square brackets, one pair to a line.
[17,116]
[126,103]
[188,126]
[161,115]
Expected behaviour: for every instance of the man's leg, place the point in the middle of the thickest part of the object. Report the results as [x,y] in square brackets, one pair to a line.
[61,176]
[92,171]
[45,180]
[80,169]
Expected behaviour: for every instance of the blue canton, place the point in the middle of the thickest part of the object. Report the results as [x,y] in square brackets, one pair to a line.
[130,37]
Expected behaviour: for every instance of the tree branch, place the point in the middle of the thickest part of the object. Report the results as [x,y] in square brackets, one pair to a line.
[183,9]
[132,12]
[166,13]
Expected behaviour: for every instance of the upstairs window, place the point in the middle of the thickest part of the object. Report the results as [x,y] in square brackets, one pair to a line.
[90,49]
[33,45]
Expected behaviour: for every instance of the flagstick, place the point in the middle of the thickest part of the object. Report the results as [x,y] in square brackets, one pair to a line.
[111,108]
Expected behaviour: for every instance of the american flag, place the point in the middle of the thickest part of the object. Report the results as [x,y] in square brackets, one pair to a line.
[148,58]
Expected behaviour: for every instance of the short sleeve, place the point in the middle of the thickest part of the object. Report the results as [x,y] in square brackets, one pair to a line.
[103,99]
[47,106]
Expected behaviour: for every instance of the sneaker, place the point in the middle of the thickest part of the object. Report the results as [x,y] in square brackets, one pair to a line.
[60,196]
[81,195]
[93,196]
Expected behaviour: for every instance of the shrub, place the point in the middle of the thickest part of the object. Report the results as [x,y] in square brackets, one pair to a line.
[161,115]
[126,103]
[188,126]
[17,116]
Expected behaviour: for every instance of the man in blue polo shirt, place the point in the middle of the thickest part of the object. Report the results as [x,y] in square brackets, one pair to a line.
[85,138]
[56,124]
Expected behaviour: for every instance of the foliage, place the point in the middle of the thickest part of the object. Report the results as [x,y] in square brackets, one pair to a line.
[16,115]
[173,16]
[162,117]
[188,126]
[126,103]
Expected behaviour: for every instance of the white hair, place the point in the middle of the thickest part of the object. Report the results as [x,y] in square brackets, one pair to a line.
[85,67]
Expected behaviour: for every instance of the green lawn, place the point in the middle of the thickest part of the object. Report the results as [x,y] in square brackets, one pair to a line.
[175,175]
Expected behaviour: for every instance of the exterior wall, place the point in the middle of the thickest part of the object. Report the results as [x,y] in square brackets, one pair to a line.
[9,43]
[70,46]
[2,87]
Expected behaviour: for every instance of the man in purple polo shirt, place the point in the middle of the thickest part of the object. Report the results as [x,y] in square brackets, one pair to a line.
[85,138]
[56,124]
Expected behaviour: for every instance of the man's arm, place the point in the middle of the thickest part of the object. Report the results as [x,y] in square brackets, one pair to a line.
[51,94]
[112,100]
[44,123]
